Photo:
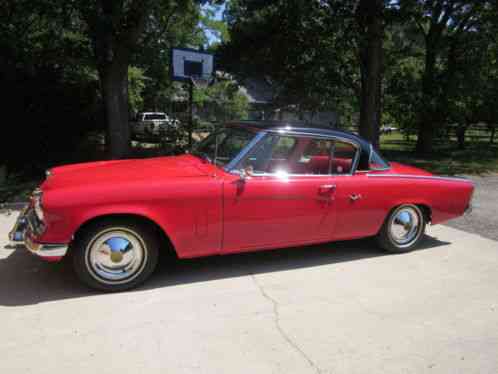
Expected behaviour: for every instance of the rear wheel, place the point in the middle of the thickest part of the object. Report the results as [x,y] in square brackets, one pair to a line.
[115,255]
[403,229]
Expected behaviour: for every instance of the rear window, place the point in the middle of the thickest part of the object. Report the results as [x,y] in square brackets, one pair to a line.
[376,162]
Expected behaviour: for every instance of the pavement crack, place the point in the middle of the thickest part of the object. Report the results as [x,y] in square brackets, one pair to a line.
[283,334]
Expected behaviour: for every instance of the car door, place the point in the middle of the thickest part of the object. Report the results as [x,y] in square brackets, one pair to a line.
[287,200]
[362,202]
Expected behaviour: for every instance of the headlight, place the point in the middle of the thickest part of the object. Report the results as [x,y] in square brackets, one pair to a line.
[37,203]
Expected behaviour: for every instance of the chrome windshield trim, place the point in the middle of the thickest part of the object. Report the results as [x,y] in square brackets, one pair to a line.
[461,179]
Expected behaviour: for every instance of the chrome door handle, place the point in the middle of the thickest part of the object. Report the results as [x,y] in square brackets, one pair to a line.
[355,197]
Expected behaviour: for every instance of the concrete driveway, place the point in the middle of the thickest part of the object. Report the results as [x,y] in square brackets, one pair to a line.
[335,308]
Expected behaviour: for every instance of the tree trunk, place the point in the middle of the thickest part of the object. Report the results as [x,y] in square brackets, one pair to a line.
[370,17]
[115,33]
[114,80]
[460,133]
[425,137]
[492,136]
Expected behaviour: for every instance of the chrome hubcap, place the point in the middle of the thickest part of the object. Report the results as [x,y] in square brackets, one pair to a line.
[116,256]
[405,226]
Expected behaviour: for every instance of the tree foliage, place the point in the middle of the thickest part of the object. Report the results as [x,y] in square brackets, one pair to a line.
[447,29]
[428,60]
[222,101]
[74,66]
[294,44]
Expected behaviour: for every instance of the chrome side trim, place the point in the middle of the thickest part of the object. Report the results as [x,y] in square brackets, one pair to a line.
[277,175]
[409,176]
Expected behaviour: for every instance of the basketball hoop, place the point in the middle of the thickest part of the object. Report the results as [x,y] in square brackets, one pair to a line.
[196,68]
[191,65]
[201,81]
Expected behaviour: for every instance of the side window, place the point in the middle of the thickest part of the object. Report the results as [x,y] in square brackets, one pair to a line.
[317,157]
[329,157]
[283,147]
[376,162]
[230,146]
[343,155]
[271,154]
[300,155]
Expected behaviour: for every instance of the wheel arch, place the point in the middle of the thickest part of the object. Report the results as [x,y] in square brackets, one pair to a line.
[135,217]
[423,206]
[426,211]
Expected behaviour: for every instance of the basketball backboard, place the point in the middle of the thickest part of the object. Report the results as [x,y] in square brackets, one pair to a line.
[187,63]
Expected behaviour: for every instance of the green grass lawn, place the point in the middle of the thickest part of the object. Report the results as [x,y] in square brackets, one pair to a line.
[479,157]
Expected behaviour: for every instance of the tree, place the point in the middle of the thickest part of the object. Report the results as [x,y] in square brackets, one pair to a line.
[295,47]
[442,24]
[64,59]
[319,54]
[370,16]
[223,101]
[45,66]
[116,29]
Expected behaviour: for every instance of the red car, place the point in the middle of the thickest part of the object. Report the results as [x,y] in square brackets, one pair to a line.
[250,186]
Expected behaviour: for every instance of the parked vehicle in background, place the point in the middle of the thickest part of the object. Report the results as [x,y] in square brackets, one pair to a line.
[153,126]
[387,129]
[246,187]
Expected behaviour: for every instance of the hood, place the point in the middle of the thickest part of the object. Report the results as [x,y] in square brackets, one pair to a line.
[397,168]
[152,169]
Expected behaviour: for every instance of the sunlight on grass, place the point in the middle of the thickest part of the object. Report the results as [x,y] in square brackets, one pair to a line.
[479,157]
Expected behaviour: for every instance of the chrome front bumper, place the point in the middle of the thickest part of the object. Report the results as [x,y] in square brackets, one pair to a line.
[21,234]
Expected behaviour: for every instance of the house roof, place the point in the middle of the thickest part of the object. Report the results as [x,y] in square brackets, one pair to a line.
[257,91]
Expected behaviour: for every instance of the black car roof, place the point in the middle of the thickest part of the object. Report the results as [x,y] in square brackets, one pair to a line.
[298,127]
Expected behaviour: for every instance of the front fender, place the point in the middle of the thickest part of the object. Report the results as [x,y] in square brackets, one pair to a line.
[63,230]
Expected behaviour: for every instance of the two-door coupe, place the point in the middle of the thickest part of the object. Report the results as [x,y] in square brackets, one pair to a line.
[249,186]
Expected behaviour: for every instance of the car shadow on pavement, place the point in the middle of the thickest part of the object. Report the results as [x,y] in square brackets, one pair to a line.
[27,280]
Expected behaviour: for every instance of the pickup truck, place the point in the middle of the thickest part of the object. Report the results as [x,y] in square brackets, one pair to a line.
[152,125]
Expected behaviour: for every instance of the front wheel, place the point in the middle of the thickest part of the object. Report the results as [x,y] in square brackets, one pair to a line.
[115,255]
[403,229]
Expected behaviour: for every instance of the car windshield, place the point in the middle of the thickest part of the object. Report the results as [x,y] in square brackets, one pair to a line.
[149,117]
[223,146]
